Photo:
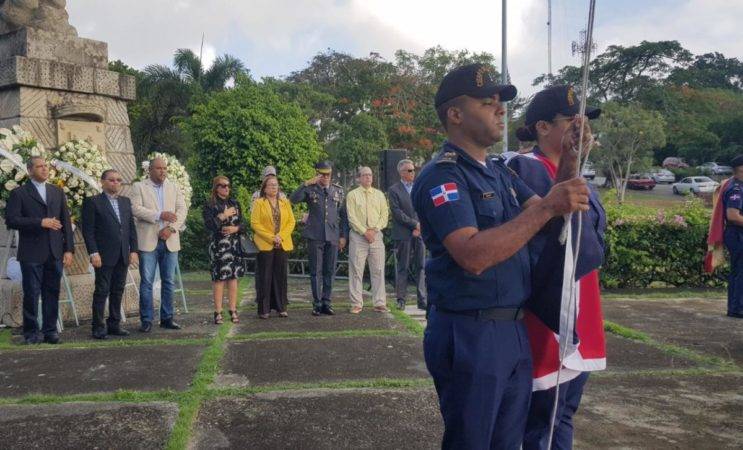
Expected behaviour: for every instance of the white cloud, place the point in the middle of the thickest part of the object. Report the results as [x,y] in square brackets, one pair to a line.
[279,36]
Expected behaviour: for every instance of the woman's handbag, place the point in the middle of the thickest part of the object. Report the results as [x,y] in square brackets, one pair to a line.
[247,246]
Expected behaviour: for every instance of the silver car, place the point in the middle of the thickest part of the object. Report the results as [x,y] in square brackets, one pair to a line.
[663,176]
[695,185]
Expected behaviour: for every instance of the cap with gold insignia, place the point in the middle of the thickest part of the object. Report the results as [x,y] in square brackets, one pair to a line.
[474,80]
[323,167]
[556,100]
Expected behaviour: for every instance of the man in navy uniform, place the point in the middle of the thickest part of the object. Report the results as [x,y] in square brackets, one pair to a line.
[733,237]
[476,219]
[323,231]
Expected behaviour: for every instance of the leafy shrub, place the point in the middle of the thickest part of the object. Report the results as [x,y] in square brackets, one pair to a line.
[647,245]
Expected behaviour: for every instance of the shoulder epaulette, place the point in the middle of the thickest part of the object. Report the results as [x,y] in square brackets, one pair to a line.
[447,158]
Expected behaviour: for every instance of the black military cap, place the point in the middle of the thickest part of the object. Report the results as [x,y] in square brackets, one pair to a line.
[737,161]
[475,80]
[548,103]
[323,167]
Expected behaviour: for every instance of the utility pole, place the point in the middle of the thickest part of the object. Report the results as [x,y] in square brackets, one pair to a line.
[504,73]
[549,37]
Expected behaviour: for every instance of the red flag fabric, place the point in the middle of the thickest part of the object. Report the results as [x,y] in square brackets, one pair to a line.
[715,245]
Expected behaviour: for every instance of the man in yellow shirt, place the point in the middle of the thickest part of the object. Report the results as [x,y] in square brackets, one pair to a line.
[368,215]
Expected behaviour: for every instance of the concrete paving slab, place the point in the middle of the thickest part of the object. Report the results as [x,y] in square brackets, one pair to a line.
[359,419]
[79,371]
[312,360]
[661,413]
[87,425]
[623,355]
[300,320]
[696,324]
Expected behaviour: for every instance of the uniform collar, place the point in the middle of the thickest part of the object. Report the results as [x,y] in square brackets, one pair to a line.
[487,169]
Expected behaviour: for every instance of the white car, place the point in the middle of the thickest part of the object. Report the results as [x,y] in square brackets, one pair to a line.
[695,185]
[713,168]
[663,176]
[589,173]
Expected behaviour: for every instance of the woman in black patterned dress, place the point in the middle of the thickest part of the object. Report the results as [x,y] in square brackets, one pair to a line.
[223,217]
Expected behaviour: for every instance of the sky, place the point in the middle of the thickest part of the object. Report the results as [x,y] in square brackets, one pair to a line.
[277,37]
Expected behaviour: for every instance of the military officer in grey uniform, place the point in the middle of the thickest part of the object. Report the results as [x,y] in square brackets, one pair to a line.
[323,231]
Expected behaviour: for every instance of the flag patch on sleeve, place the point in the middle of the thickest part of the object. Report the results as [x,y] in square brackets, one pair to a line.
[445,193]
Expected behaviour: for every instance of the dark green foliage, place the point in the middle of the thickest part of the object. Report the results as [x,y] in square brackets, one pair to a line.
[194,254]
[646,246]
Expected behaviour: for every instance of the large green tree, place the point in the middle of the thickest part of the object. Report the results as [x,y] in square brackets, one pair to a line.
[627,134]
[239,131]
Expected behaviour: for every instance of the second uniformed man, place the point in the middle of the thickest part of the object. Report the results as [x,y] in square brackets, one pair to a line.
[733,237]
[326,204]
[476,219]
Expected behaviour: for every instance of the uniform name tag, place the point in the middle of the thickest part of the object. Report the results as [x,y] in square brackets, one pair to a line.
[488,195]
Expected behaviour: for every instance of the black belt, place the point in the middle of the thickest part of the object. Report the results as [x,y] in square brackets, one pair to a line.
[487,314]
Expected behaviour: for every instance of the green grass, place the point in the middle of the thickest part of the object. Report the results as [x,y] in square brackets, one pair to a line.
[412,325]
[190,401]
[670,349]
[275,335]
[6,338]
[663,294]
[666,373]
[118,396]
[104,344]
[376,383]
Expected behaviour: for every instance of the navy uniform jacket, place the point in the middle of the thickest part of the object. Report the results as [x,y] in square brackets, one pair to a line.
[546,253]
[733,198]
[454,191]
[325,211]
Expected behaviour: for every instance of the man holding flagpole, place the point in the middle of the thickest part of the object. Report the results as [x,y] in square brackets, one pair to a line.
[476,218]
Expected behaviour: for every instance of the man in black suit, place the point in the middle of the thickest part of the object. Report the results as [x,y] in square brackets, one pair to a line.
[111,239]
[406,232]
[38,210]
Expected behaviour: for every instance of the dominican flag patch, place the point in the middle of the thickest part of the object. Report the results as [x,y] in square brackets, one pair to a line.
[445,193]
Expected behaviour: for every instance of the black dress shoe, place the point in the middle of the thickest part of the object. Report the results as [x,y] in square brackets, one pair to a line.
[31,339]
[401,304]
[169,324]
[146,327]
[736,315]
[327,310]
[316,311]
[52,339]
[118,332]
[100,335]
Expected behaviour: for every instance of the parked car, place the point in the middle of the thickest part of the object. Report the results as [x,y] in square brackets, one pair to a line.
[662,176]
[673,162]
[589,173]
[695,185]
[712,168]
[641,181]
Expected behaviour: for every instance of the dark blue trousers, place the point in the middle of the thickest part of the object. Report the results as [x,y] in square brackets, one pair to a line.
[41,279]
[323,256]
[734,244]
[482,373]
[540,412]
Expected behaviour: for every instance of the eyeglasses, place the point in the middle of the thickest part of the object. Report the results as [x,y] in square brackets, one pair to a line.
[409,170]
[220,185]
[114,180]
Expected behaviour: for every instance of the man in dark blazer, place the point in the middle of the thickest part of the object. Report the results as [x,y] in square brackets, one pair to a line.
[111,239]
[38,210]
[406,232]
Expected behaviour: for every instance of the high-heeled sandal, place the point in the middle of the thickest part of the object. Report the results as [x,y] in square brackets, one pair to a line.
[264,316]
[218,320]
[234,317]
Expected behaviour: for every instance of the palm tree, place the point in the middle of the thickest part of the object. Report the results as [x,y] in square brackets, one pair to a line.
[166,95]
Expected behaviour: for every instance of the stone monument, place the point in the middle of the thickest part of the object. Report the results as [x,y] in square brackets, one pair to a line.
[57,86]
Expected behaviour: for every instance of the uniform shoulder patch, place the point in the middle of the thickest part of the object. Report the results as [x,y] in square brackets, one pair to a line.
[447,158]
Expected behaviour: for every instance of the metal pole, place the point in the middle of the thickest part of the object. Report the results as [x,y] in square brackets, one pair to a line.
[504,73]
[549,37]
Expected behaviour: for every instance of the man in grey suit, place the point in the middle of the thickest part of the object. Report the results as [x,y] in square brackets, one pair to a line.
[323,231]
[406,232]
